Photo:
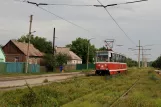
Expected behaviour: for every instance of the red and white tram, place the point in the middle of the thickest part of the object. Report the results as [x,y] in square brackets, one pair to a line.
[109,63]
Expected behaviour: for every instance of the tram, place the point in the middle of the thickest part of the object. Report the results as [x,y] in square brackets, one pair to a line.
[110,63]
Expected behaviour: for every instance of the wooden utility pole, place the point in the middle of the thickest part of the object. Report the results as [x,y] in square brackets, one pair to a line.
[54,42]
[28,47]
[139,55]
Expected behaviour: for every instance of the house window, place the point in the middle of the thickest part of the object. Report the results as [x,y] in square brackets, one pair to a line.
[16,59]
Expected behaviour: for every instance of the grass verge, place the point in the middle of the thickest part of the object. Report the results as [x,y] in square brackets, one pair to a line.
[95,91]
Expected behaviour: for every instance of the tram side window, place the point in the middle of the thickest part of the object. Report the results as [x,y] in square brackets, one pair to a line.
[117,58]
[114,57]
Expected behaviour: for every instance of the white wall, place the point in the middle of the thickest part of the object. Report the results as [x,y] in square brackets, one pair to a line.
[74,62]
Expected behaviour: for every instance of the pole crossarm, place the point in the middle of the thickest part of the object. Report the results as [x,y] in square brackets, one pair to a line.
[138,49]
[142,54]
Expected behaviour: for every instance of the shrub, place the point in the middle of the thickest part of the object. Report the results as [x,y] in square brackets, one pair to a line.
[29,98]
[45,81]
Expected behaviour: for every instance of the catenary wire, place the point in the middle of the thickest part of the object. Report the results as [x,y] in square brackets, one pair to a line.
[117,24]
[78,5]
[63,19]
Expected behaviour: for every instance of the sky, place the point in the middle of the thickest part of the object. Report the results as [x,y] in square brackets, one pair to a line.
[141,21]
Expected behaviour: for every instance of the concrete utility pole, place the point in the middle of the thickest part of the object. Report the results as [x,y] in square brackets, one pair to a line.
[54,42]
[88,54]
[139,55]
[28,48]
[142,57]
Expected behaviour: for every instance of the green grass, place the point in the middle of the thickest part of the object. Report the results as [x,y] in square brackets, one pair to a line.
[93,91]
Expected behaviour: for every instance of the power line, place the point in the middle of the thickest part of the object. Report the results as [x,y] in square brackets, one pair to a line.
[63,19]
[78,5]
[117,3]
[117,24]
[37,5]
[55,15]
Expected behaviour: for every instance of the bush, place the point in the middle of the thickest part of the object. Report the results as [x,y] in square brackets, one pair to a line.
[29,98]
[46,81]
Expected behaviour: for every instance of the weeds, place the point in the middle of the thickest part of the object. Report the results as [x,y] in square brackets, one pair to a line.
[94,91]
[46,81]
[29,99]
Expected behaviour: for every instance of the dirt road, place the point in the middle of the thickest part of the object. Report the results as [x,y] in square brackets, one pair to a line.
[35,80]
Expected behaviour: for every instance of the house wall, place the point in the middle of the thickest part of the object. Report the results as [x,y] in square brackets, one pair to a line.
[13,54]
[74,62]
[2,56]
[36,60]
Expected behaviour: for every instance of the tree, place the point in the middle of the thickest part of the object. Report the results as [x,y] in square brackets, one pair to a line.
[80,47]
[52,61]
[61,59]
[157,63]
[131,63]
[40,43]
[102,49]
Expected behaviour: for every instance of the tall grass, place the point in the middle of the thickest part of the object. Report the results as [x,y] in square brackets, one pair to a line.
[95,91]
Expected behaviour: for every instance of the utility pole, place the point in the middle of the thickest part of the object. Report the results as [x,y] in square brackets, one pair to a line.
[54,42]
[28,47]
[88,54]
[142,57]
[139,55]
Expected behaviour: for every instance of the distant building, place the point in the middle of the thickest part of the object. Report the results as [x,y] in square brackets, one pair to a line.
[2,56]
[17,52]
[74,58]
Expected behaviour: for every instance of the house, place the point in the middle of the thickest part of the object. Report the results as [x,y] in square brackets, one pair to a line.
[74,58]
[2,56]
[17,52]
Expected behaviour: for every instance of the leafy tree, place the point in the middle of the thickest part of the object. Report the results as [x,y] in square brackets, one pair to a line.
[40,43]
[102,49]
[50,62]
[61,59]
[157,63]
[80,47]
[131,63]
[68,46]
[55,61]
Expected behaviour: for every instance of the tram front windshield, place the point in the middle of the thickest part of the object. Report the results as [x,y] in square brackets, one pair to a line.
[102,57]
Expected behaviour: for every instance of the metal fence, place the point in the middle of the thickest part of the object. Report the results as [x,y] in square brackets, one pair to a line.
[17,67]
[84,66]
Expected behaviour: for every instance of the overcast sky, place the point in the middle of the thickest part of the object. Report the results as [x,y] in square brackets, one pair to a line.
[141,21]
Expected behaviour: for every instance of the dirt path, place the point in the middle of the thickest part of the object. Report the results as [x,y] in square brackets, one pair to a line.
[35,80]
